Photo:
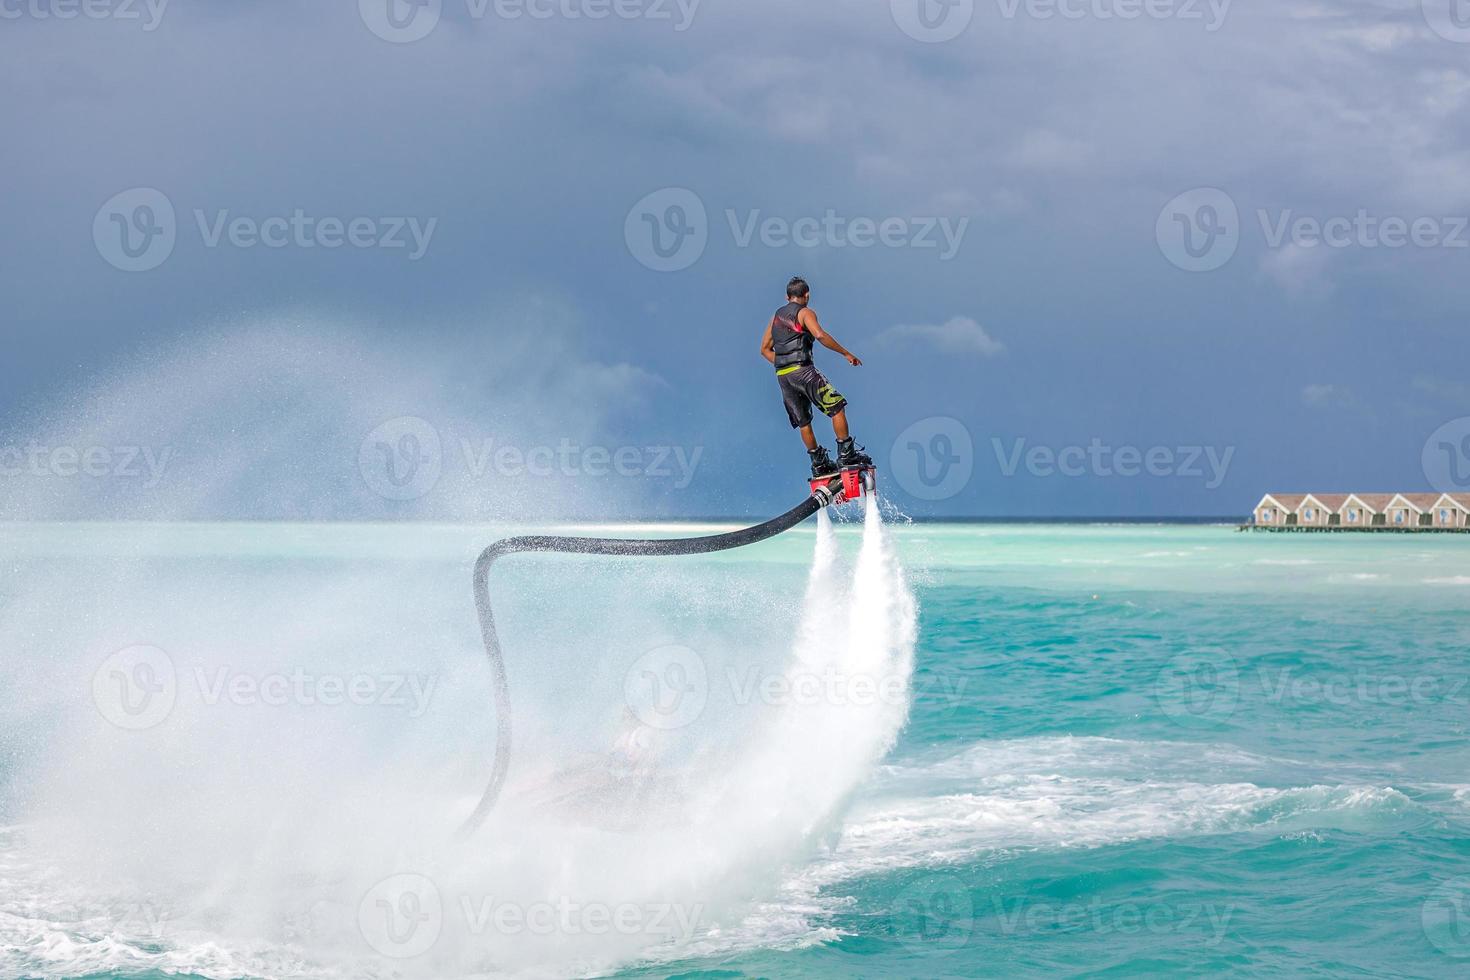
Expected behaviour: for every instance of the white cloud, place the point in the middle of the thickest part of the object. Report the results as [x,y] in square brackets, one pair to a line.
[1326,396]
[1453,392]
[610,384]
[1301,270]
[1446,90]
[958,335]
[1377,38]
[1043,149]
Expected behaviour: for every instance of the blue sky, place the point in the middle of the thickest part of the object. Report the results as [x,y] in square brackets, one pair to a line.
[995,222]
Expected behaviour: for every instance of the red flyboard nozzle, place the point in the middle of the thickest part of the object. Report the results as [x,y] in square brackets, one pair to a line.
[853,483]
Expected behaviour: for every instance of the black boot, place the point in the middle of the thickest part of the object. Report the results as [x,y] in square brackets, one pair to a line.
[822,464]
[850,454]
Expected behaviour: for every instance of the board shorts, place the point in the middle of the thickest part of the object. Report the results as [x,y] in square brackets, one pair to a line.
[805,387]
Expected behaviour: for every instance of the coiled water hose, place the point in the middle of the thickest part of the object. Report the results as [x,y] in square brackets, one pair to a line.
[623,547]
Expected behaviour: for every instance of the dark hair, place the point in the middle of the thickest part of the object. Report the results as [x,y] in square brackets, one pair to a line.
[797,288]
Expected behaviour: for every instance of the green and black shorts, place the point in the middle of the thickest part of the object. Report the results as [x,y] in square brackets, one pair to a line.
[803,386]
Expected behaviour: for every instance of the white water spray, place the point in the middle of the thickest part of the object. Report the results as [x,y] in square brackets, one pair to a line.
[241,837]
[269,871]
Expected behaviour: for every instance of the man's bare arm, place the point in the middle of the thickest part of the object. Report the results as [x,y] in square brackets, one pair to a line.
[768,347]
[813,326]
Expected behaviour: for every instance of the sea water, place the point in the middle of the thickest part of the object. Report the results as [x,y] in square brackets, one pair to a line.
[928,750]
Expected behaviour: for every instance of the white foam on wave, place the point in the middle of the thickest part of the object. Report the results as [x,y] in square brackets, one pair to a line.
[1064,792]
[995,799]
[1039,811]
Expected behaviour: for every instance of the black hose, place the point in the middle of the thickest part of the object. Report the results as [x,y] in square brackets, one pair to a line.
[626,547]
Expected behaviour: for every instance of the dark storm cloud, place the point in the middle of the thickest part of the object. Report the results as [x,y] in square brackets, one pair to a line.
[297,147]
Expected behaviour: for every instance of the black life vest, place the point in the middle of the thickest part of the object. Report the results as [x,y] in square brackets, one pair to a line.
[792,343]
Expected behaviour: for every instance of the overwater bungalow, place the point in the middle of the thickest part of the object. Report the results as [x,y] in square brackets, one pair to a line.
[1452,510]
[1275,509]
[1412,509]
[1321,509]
[1361,512]
[1366,510]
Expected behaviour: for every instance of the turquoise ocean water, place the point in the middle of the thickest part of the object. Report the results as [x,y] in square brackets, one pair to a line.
[1127,750]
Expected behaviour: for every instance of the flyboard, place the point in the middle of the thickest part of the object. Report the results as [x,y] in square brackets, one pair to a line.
[851,483]
[856,483]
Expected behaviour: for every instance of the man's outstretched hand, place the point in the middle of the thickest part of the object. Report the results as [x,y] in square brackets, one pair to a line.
[854,360]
